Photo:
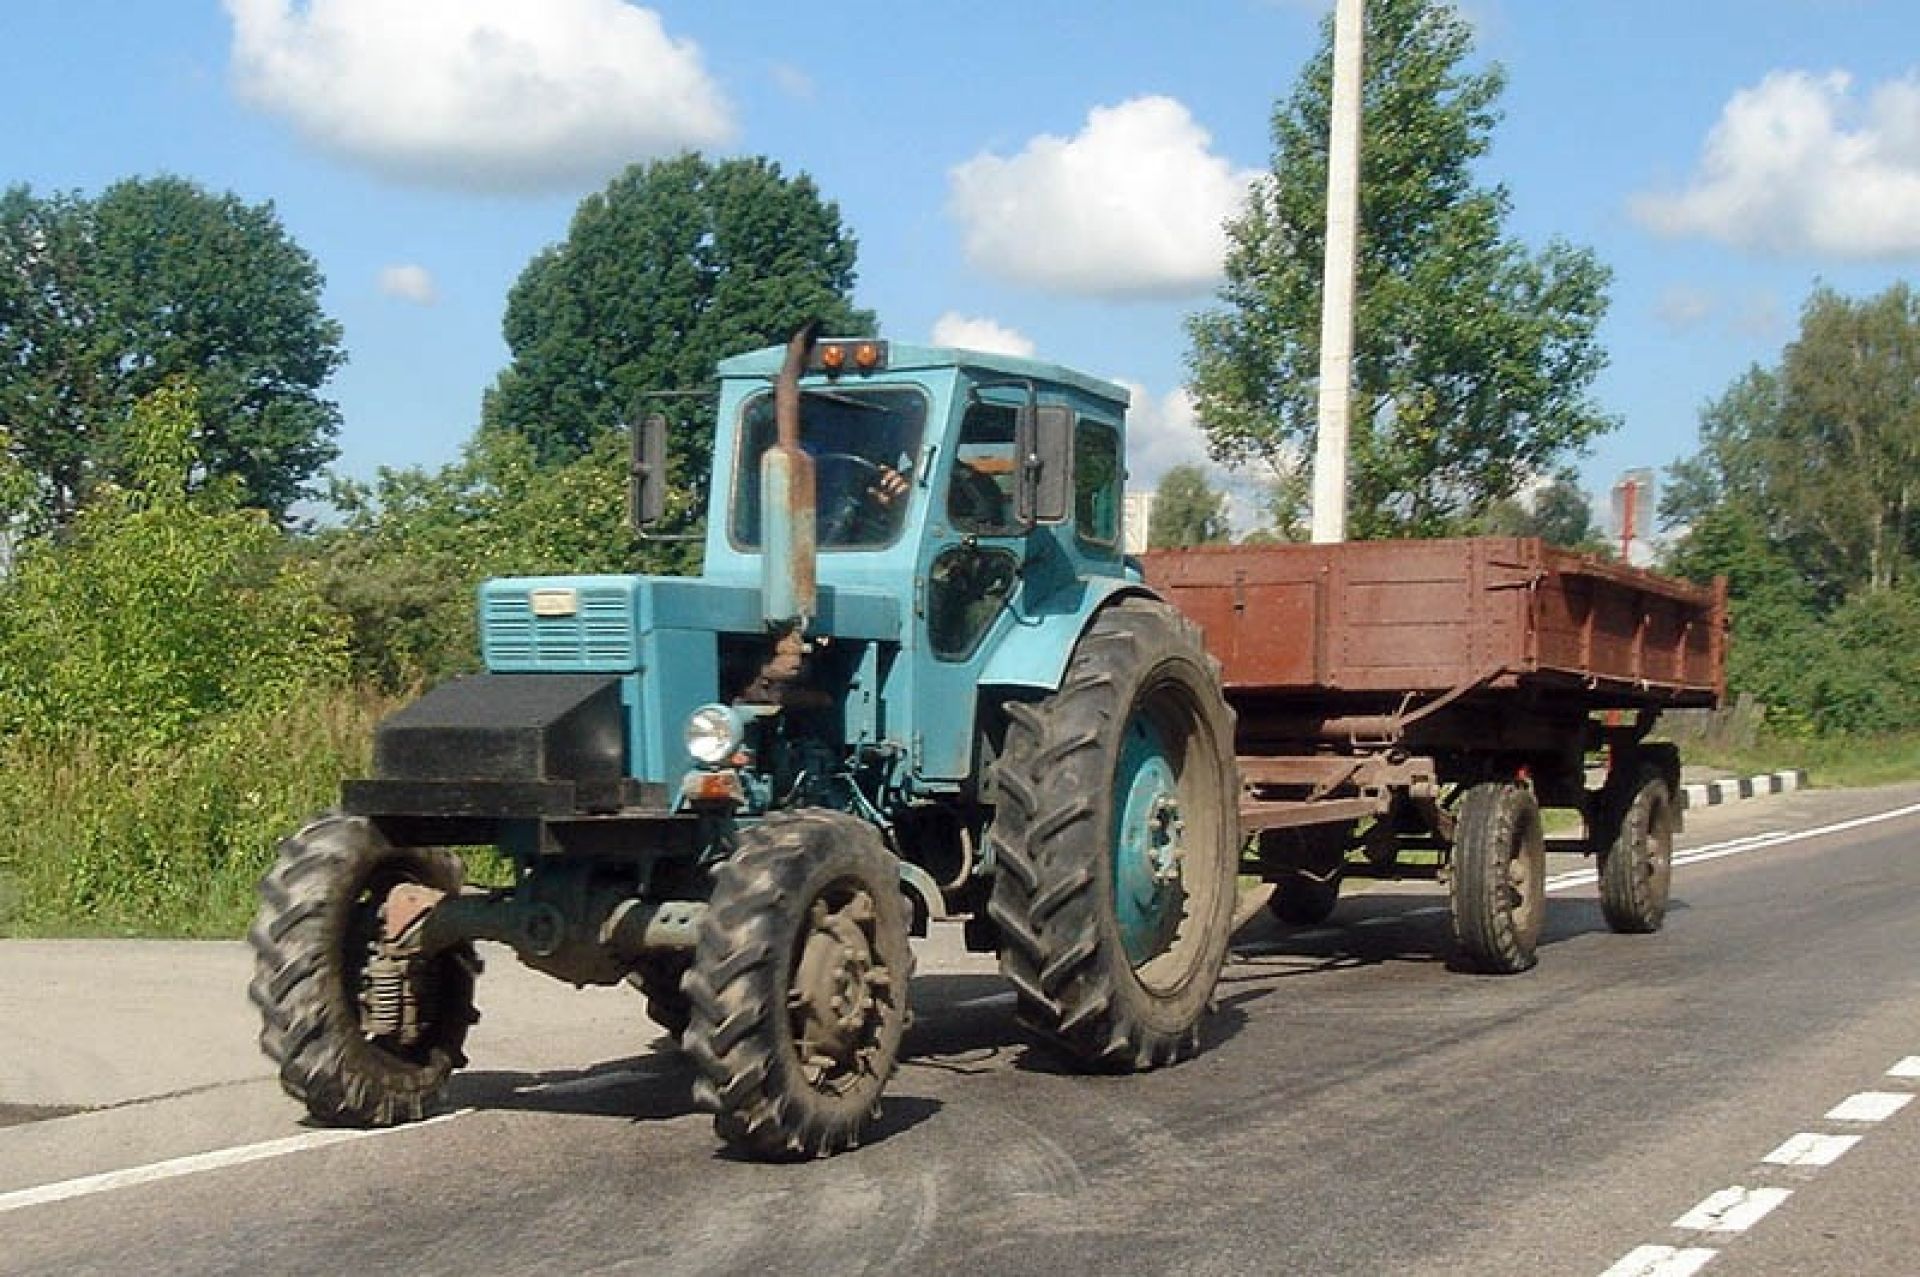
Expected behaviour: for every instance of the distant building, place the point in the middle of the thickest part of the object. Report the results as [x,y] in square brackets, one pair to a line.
[1136,514]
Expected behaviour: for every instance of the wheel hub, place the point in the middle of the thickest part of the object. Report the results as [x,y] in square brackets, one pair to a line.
[835,1000]
[1149,850]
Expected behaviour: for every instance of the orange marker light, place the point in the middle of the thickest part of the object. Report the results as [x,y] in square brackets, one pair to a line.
[833,358]
[867,356]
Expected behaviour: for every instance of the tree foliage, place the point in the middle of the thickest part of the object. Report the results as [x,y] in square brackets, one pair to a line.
[104,301]
[1558,513]
[415,544]
[165,606]
[1823,450]
[675,265]
[1803,494]
[1187,510]
[1473,357]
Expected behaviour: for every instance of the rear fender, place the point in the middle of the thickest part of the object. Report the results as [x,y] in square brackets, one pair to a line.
[1032,654]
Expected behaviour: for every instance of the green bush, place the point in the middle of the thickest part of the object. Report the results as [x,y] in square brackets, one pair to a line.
[160,609]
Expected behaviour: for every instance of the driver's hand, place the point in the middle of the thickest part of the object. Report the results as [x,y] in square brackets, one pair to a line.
[888,488]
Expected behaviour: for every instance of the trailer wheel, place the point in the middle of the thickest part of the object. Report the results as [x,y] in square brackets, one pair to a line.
[1497,879]
[1636,870]
[798,988]
[1115,842]
[358,1042]
[1304,866]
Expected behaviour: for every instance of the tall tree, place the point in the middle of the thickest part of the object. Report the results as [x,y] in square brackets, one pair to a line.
[1558,513]
[1823,452]
[104,301]
[675,265]
[1473,357]
[1187,510]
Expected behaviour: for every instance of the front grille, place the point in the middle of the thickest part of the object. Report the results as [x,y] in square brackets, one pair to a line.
[598,636]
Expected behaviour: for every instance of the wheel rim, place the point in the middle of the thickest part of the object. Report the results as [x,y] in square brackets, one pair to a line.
[1148,848]
[841,992]
[1526,886]
[1658,869]
[393,1000]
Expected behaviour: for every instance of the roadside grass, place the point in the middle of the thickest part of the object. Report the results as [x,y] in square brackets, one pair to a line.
[96,843]
[1830,763]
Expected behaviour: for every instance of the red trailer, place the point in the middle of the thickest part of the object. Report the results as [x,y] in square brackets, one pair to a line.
[1406,709]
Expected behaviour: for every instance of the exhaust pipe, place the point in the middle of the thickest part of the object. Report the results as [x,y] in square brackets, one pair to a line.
[788,594]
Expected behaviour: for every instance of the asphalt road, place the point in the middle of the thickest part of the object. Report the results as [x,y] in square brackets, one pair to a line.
[1359,1109]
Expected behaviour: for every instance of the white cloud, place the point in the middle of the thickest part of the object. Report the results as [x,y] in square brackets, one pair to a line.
[409,283]
[1802,164]
[971,333]
[1162,432]
[1132,206]
[1683,306]
[490,94]
[793,82]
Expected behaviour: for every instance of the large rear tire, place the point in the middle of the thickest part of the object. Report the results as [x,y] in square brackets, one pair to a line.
[1497,879]
[1636,870]
[358,1043]
[798,987]
[1115,842]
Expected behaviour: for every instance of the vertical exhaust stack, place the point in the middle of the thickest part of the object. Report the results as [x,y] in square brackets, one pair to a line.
[787,502]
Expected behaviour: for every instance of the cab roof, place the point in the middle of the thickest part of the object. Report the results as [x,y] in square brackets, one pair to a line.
[766,362]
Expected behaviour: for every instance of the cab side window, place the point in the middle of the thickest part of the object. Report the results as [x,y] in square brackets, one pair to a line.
[1097,479]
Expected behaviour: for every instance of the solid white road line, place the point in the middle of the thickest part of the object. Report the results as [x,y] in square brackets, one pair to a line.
[1733,1210]
[1662,1261]
[1810,1149]
[219,1159]
[1868,1106]
[1740,846]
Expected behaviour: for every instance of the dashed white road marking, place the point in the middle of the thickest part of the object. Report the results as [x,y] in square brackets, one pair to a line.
[1909,1067]
[1810,1149]
[1868,1106]
[1733,1210]
[1662,1261]
[219,1159]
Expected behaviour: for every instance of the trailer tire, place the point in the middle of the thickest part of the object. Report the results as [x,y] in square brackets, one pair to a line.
[312,939]
[1300,900]
[1304,866]
[806,933]
[1636,869]
[1497,879]
[1115,843]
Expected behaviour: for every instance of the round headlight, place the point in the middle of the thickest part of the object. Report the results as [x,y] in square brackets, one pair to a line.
[712,734]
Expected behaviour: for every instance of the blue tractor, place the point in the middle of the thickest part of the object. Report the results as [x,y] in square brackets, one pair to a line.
[918,680]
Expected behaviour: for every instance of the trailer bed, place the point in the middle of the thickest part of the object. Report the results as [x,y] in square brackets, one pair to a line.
[1365,622]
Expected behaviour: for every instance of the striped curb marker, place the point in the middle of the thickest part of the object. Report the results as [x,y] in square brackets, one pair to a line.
[1713,793]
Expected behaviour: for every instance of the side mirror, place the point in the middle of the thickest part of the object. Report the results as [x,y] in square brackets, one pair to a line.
[1043,438]
[647,472]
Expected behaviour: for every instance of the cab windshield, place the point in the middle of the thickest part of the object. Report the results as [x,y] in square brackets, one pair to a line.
[864,443]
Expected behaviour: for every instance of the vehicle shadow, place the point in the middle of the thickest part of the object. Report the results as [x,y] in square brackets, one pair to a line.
[1374,929]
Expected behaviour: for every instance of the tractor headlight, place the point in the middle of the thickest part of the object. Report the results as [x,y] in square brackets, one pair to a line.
[713,733]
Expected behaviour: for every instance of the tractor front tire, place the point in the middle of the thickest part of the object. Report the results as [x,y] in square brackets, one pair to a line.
[313,941]
[798,987]
[1115,843]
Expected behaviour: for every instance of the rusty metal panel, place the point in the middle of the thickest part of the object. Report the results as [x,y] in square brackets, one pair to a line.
[1431,616]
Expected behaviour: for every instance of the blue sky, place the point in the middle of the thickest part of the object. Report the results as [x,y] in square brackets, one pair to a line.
[1045,177]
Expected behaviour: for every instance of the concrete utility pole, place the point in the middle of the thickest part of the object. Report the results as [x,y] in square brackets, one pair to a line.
[1336,314]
